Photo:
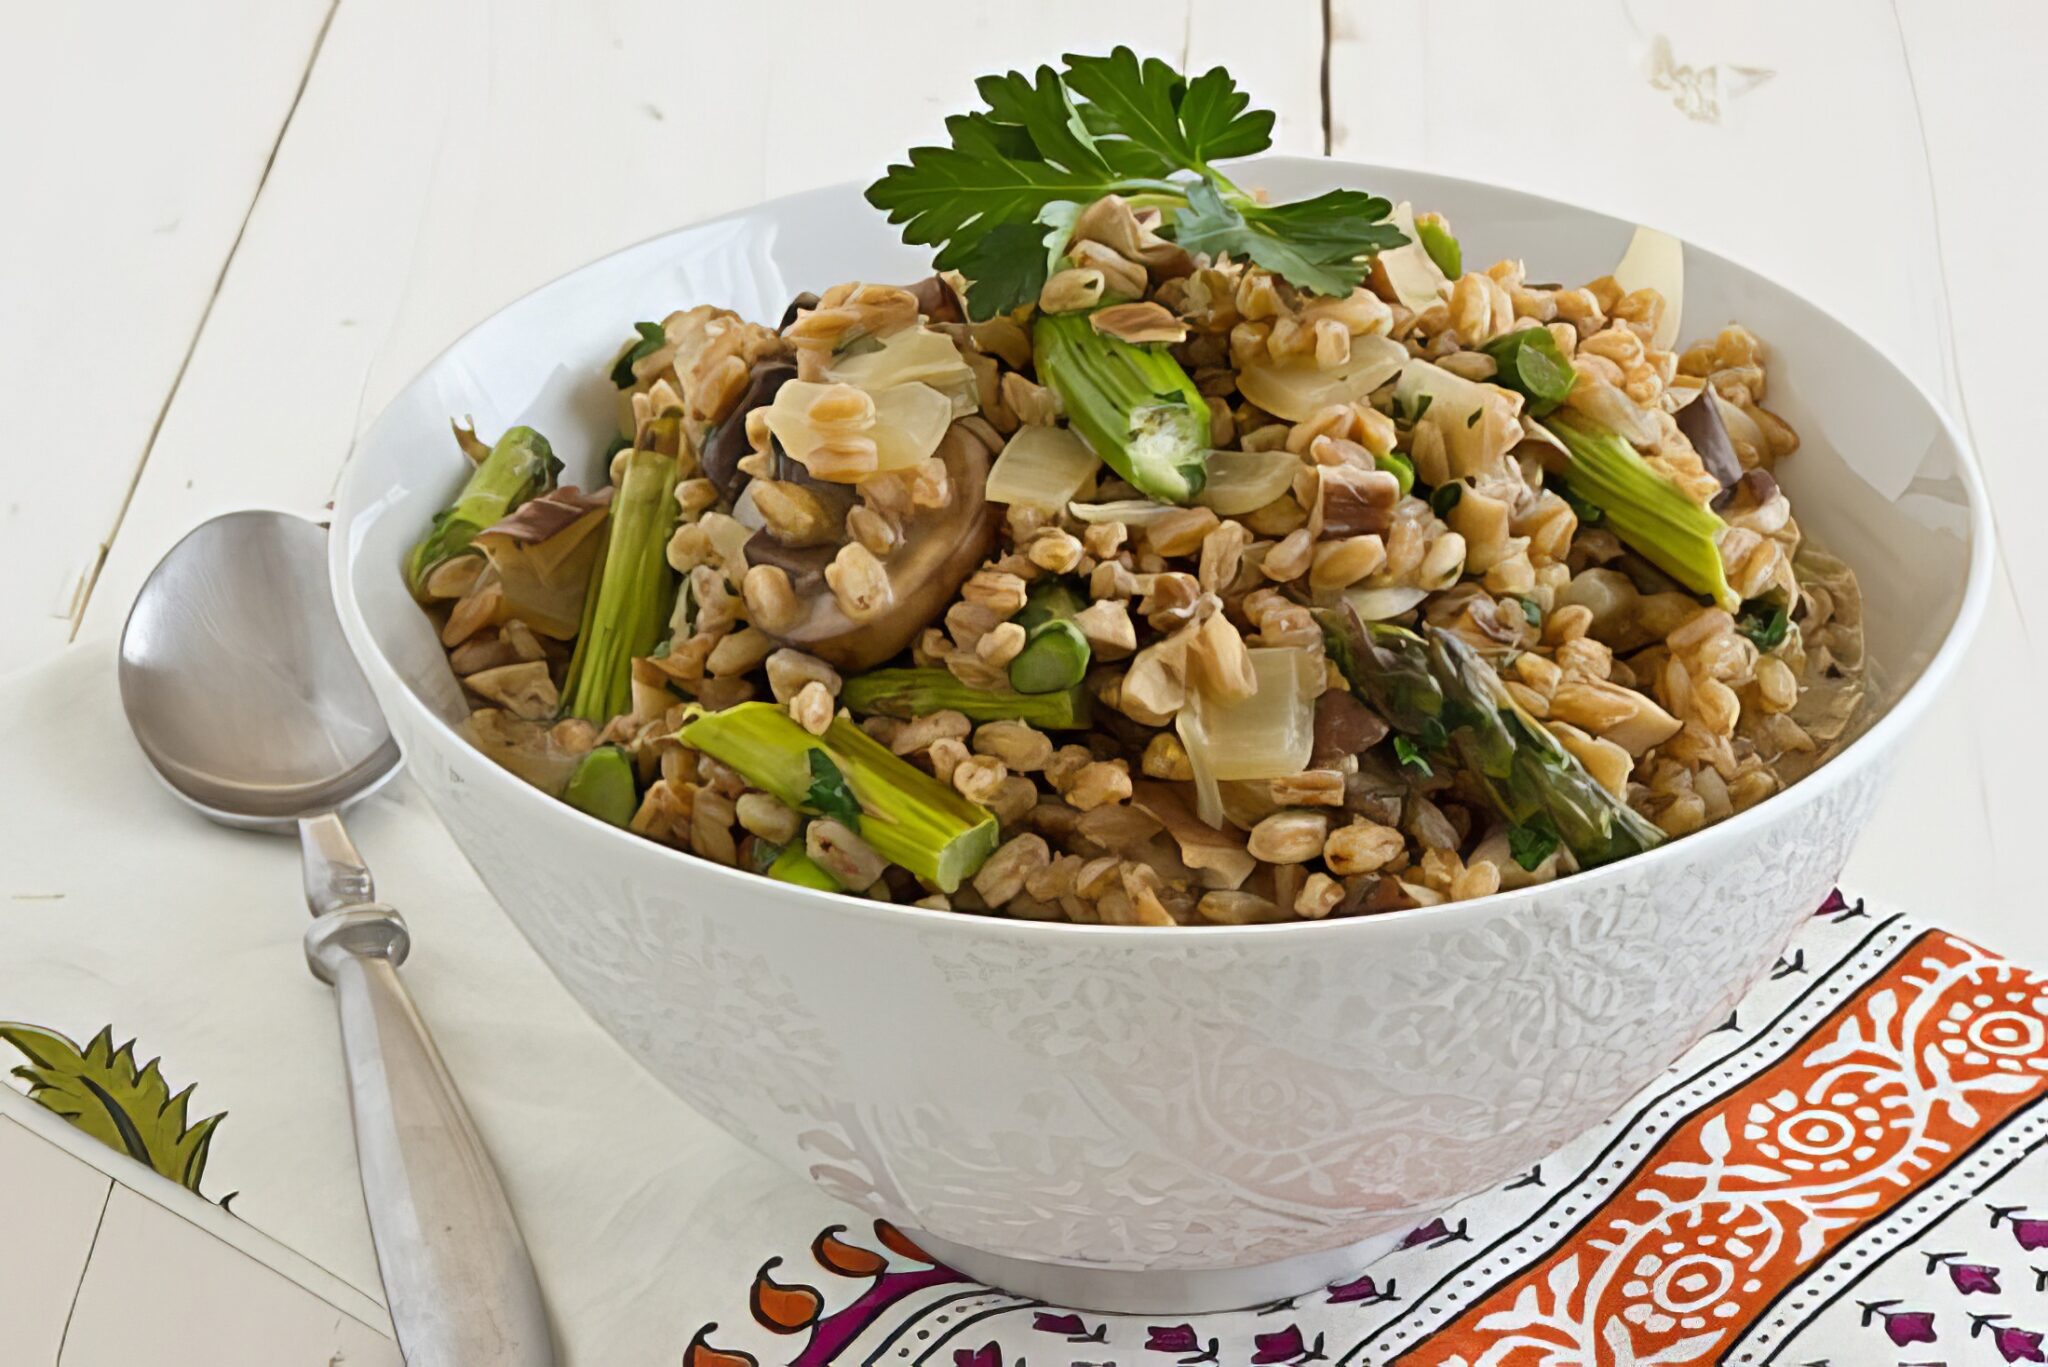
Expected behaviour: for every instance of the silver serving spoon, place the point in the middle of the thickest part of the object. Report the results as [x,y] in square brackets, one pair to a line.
[242,692]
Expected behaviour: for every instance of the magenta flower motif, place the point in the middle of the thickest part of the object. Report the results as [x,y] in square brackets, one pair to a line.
[1973,1278]
[1172,1338]
[1833,903]
[1285,1345]
[1068,1324]
[2032,1234]
[1362,1289]
[1901,1326]
[988,1355]
[2018,1345]
[1911,1326]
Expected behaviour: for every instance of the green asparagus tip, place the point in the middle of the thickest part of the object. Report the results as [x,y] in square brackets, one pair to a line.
[521,465]
[631,592]
[1055,657]
[794,866]
[602,785]
[1134,405]
[908,693]
[910,818]
[1651,515]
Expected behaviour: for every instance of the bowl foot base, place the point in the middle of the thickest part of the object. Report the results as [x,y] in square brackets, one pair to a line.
[1166,1291]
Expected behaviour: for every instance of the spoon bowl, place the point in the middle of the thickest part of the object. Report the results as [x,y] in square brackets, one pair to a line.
[239,684]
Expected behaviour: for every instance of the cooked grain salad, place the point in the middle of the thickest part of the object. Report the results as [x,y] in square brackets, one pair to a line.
[1169,557]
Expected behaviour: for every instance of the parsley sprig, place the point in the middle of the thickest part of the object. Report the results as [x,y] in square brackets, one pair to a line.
[1000,201]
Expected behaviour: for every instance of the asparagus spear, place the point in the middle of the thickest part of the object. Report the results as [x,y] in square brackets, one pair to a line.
[1133,404]
[631,591]
[1056,652]
[602,785]
[1437,690]
[1651,515]
[521,465]
[910,817]
[794,866]
[911,693]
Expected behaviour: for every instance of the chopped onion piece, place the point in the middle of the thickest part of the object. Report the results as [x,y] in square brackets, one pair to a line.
[1615,411]
[1242,482]
[913,355]
[1380,605]
[910,421]
[1656,261]
[1042,466]
[1132,512]
[1473,445]
[1268,735]
[1294,391]
[1415,279]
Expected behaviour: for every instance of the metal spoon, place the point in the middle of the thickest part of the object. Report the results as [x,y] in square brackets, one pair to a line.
[242,692]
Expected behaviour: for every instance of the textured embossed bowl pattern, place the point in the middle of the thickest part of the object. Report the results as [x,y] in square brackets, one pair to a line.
[1140,1118]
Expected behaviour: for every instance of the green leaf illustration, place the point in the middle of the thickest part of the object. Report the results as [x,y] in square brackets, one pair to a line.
[101,1091]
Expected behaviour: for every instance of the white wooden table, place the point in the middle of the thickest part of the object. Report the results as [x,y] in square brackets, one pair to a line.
[238,227]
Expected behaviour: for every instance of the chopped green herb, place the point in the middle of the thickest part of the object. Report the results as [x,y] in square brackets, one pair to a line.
[1445,497]
[829,794]
[1532,612]
[1532,365]
[1531,844]
[1411,756]
[652,339]
[1764,622]
[1472,418]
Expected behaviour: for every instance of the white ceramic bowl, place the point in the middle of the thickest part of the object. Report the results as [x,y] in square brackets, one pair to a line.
[1133,1118]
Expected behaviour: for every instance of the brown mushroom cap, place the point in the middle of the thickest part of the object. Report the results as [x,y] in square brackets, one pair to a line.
[941,548]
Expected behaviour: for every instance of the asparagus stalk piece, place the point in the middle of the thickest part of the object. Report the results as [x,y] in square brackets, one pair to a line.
[1056,653]
[1438,691]
[1133,404]
[909,817]
[521,465]
[794,866]
[602,785]
[908,693]
[1650,514]
[631,591]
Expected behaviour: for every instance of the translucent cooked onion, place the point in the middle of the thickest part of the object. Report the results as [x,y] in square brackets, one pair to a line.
[1294,391]
[1615,411]
[1414,275]
[914,355]
[1656,261]
[1242,482]
[1381,605]
[1479,423]
[1044,467]
[1132,512]
[910,421]
[1271,734]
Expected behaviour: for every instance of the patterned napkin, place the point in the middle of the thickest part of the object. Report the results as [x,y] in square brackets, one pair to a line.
[1849,1171]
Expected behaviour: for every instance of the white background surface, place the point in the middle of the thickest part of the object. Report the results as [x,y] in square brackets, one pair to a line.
[256,218]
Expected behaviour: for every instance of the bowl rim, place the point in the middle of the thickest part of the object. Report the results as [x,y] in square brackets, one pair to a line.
[1865,749]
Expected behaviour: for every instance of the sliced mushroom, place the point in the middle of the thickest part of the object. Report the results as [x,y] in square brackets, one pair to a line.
[936,300]
[940,548]
[728,442]
[1219,856]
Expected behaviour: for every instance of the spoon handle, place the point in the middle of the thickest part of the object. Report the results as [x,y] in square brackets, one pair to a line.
[457,1277]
